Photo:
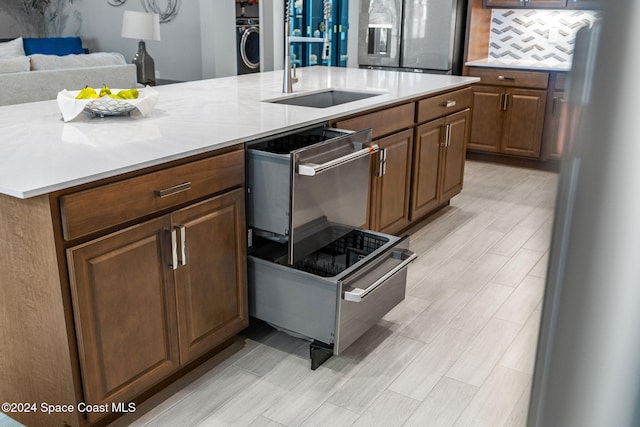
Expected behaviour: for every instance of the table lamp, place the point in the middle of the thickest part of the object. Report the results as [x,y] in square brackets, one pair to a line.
[142,26]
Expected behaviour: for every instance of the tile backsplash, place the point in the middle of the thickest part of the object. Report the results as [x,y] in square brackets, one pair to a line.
[536,35]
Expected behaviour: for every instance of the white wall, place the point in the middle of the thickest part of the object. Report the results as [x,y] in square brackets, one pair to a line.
[199,43]
[352,35]
[271,35]
[177,55]
[218,38]
[8,27]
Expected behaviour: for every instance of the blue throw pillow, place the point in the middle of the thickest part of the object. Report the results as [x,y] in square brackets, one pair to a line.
[53,45]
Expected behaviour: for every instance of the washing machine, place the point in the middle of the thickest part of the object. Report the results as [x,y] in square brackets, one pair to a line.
[248,45]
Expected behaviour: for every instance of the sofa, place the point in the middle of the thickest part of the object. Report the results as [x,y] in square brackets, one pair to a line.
[37,69]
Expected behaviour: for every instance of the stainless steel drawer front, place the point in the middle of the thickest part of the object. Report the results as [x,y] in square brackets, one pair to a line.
[330,180]
[371,292]
[405,256]
[300,178]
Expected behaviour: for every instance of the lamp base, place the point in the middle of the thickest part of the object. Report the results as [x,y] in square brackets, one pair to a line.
[145,67]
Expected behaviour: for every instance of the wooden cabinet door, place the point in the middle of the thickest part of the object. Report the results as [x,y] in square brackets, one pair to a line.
[124,307]
[390,208]
[453,154]
[487,121]
[211,283]
[429,138]
[524,122]
[554,137]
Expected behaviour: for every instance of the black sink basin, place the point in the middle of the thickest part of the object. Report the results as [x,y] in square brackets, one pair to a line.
[324,99]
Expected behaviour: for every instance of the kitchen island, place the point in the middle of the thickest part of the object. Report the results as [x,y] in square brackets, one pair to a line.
[125,260]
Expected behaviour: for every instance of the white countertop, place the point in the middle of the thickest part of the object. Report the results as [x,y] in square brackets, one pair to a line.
[39,153]
[520,64]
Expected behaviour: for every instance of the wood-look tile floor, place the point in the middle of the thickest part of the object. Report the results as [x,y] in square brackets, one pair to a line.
[458,351]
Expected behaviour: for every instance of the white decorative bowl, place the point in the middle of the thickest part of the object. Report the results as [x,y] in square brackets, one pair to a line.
[106,106]
[70,107]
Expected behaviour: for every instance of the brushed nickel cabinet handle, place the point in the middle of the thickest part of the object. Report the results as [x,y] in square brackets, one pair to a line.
[183,244]
[504,101]
[449,104]
[174,250]
[173,190]
[506,78]
[448,140]
[382,162]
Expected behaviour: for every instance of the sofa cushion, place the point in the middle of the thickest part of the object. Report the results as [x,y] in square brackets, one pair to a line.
[14,65]
[54,62]
[53,45]
[12,49]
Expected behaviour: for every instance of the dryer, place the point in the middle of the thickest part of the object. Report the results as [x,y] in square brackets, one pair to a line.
[248,45]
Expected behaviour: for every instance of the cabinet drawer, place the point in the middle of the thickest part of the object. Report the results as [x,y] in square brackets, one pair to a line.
[102,207]
[382,122]
[510,78]
[442,105]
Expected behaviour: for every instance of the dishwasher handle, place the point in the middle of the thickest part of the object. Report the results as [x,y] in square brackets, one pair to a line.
[312,169]
[358,294]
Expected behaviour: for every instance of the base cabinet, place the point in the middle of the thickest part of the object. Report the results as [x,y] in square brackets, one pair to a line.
[438,164]
[153,297]
[424,164]
[559,124]
[453,154]
[120,285]
[508,121]
[125,310]
[555,138]
[390,193]
[488,119]
[211,294]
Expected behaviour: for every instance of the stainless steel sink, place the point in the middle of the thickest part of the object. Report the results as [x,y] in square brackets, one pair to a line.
[324,99]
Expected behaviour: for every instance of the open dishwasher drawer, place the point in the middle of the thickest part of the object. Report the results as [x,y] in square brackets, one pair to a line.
[312,271]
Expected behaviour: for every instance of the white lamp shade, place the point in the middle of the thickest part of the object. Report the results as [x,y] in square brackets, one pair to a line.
[141,25]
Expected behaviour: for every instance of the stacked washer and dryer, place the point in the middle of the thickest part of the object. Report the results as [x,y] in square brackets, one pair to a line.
[248,44]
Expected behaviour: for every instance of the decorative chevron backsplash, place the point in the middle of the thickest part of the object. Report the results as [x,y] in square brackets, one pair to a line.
[536,35]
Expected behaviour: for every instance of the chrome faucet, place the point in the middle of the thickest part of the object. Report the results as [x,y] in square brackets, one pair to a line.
[288,79]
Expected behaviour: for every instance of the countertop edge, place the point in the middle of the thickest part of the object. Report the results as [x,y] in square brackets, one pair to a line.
[488,64]
[319,117]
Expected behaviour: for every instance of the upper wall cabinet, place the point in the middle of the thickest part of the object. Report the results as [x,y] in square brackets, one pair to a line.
[531,4]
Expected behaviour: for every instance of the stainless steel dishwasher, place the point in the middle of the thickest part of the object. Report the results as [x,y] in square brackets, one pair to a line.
[313,272]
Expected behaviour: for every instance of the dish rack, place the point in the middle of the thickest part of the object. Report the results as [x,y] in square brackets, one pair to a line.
[340,254]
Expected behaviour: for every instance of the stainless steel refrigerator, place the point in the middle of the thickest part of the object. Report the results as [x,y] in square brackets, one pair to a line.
[412,35]
[587,371]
